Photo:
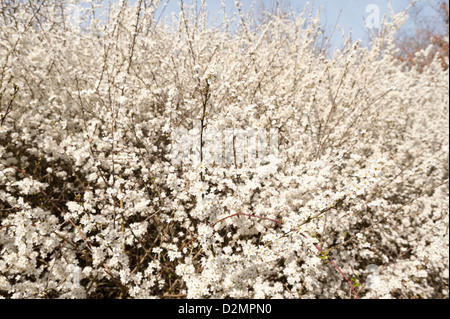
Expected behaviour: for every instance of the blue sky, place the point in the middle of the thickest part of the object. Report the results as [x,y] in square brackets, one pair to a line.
[352,17]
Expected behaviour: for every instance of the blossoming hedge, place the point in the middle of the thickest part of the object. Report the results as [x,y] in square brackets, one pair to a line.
[98,197]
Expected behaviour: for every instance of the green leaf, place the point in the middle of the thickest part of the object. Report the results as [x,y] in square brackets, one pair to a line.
[323,255]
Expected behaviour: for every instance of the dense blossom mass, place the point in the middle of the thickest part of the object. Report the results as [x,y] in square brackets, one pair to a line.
[350,200]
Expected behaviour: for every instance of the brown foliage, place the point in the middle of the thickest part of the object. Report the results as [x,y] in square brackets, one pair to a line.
[427,32]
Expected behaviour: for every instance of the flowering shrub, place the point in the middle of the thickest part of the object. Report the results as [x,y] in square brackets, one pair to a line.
[94,201]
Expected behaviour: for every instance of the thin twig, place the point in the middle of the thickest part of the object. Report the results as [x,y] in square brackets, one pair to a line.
[9,106]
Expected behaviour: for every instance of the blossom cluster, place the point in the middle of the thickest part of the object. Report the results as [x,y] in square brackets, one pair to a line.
[93,204]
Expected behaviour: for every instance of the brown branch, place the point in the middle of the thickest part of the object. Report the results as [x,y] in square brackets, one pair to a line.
[9,106]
